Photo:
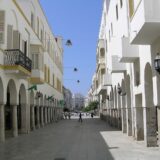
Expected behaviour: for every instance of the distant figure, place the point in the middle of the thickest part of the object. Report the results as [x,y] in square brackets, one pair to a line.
[80,118]
[69,115]
[92,115]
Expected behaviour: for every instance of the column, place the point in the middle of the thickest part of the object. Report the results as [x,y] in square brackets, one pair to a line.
[2,124]
[124,124]
[129,122]
[38,115]
[32,117]
[46,115]
[15,126]
[51,114]
[150,132]
[139,125]
[23,119]
[42,118]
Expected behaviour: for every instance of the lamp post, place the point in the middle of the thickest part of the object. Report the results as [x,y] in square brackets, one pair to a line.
[157,63]
[119,90]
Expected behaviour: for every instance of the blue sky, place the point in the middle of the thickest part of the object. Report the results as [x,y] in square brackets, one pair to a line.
[78,20]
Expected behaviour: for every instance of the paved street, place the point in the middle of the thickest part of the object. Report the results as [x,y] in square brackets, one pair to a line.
[71,140]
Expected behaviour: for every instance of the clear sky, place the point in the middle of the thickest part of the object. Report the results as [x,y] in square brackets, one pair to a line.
[78,20]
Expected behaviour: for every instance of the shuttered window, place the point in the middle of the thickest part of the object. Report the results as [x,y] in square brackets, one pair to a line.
[16,40]
[2,21]
[53,81]
[9,37]
[131,8]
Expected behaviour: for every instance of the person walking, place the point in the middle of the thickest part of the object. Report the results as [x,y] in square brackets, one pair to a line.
[80,118]
[92,114]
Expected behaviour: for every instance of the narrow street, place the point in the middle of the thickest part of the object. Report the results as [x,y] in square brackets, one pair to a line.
[71,140]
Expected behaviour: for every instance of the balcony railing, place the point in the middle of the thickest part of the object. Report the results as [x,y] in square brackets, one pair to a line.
[16,57]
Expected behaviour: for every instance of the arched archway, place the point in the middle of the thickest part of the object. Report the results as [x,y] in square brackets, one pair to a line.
[123,97]
[11,126]
[128,110]
[150,118]
[2,121]
[22,110]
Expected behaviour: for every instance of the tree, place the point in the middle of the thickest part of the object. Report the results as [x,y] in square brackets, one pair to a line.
[92,106]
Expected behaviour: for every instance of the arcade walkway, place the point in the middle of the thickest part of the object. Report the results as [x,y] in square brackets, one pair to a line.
[71,140]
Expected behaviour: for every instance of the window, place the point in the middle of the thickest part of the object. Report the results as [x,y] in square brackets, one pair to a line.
[35,61]
[131,7]
[136,72]
[32,20]
[121,3]
[117,12]
[48,75]
[53,81]
[106,46]
[38,26]
[41,35]
[109,35]
[112,29]
[45,72]
[2,26]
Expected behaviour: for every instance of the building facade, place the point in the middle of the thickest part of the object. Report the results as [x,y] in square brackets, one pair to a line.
[78,101]
[67,98]
[31,69]
[128,84]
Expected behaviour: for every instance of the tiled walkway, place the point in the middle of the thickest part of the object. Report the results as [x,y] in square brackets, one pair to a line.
[71,140]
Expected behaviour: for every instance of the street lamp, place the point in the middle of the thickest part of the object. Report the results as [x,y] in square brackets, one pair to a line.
[38,95]
[68,43]
[157,63]
[119,90]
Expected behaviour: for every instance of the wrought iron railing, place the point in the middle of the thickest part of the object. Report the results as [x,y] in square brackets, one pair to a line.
[16,57]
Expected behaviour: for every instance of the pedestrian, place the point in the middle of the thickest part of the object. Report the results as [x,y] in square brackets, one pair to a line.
[92,115]
[80,118]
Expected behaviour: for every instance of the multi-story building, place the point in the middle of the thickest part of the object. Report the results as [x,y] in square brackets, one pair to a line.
[78,101]
[129,84]
[31,68]
[67,98]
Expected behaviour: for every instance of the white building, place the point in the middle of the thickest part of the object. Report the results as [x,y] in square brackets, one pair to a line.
[30,57]
[67,98]
[78,101]
[128,84]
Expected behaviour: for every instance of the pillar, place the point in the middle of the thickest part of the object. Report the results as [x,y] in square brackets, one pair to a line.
[129,122]
[38,115]
[23,119]
[150,132]
[46,117]
[32,117]
[42,118]
[15,125]
[2,124]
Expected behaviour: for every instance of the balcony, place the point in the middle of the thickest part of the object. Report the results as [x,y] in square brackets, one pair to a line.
[37,76]
[16,62]
[145,22]
[116,66]
[101,61]
[128,53]
[107,80]
[103,84]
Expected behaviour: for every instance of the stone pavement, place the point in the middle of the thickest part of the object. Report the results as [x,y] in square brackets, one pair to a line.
[71,140]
